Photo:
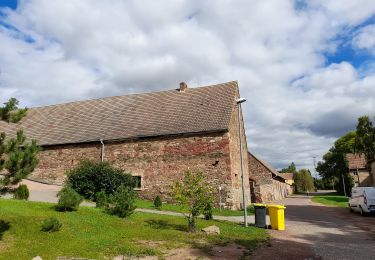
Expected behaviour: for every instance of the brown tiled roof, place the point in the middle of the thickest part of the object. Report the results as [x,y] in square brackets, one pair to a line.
[287,175]
[356,161]
[195,110]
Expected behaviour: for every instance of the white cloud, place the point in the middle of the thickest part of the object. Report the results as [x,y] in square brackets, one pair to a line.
[275,49]
[365,39]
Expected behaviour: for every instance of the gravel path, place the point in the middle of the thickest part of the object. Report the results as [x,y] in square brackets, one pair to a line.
[314,231]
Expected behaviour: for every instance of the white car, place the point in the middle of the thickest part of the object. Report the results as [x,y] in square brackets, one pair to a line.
[362,200]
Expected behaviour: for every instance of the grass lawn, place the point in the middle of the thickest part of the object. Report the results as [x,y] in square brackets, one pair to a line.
[333,200]
[146,204]
[91,233]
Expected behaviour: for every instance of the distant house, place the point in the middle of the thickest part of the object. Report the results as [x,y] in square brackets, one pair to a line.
[288,176]
[357,169]
[266,183]
[154,136]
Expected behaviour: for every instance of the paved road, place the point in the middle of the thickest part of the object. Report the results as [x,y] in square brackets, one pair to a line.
[314,231]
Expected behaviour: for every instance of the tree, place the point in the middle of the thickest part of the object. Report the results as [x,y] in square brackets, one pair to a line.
[334,163]
[194,194]
[291,168]
[365,138]
[17,157]
[10,111]
[303,180]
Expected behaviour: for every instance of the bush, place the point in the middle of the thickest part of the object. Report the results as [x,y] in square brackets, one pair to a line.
[51,225]
[21,193]
[89,178]
[122,202]
[101,199]
[207,212]
[69,199]
[157,202]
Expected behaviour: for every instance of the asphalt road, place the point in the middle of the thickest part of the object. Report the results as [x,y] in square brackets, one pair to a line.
[314,231]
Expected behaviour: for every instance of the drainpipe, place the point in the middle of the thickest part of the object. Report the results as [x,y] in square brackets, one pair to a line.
[102,150]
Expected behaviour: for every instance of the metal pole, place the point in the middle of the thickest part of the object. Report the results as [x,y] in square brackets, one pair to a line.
[343,184]
[242,176]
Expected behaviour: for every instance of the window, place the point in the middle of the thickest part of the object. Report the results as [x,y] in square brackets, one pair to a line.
[137,181]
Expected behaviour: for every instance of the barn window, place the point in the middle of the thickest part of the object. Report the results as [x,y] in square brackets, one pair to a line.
[137,181]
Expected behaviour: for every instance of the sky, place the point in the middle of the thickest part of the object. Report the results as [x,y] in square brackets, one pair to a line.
[306,68]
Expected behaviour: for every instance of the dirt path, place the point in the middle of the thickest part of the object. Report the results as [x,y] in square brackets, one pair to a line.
[314,231]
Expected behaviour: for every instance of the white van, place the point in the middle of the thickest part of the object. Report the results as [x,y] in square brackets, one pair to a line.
[362,200]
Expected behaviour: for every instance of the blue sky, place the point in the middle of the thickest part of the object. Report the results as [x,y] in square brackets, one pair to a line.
[9,3]
[307,68]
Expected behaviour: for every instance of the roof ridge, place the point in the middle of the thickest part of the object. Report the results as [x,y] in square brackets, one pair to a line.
[235,82]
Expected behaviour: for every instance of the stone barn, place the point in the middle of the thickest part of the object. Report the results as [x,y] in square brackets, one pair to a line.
[154,136]
[266,184]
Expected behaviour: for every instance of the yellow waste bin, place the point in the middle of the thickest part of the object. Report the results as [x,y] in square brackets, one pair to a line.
[276,213]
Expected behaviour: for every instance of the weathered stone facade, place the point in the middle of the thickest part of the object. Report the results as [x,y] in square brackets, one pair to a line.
[159,161]
[266,185]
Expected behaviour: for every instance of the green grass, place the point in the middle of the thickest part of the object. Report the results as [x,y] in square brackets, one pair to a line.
[332,200]
[146,204]
[91,233]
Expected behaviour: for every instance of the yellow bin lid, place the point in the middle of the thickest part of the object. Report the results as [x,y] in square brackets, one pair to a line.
[276,206]
[260,205]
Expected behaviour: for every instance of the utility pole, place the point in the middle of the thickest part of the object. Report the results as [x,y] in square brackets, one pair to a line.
[315,174]
[343,184]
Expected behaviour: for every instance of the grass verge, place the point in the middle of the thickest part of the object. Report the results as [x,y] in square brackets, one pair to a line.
[146,204]
[90,233]
[332,200]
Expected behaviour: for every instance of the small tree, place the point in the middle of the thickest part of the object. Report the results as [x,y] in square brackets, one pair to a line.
[17,157]
[157,202]
[194,194]
[69,199]
[122,202]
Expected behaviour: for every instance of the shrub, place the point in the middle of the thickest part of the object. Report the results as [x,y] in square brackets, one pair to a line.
[69,199]
[207,211]
[122,202]
[89,178]
[157,202]
[21,193]
[101,199]
[51,225]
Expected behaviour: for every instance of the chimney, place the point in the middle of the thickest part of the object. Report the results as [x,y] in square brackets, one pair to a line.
[183,86]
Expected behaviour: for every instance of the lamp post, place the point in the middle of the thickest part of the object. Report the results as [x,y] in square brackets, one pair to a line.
[239,101]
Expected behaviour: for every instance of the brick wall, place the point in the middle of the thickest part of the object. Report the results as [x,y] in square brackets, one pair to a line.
[158,161]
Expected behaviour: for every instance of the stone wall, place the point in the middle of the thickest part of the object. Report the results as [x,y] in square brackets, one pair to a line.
[159,161]
[236,161]
[265,188]
[365,179]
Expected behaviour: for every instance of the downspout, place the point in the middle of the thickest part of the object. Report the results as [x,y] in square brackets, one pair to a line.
[102,150]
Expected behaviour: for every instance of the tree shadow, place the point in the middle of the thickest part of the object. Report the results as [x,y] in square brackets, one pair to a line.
[163,224]
[4,226]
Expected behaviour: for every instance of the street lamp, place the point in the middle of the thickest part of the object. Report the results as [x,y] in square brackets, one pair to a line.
[239,102]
